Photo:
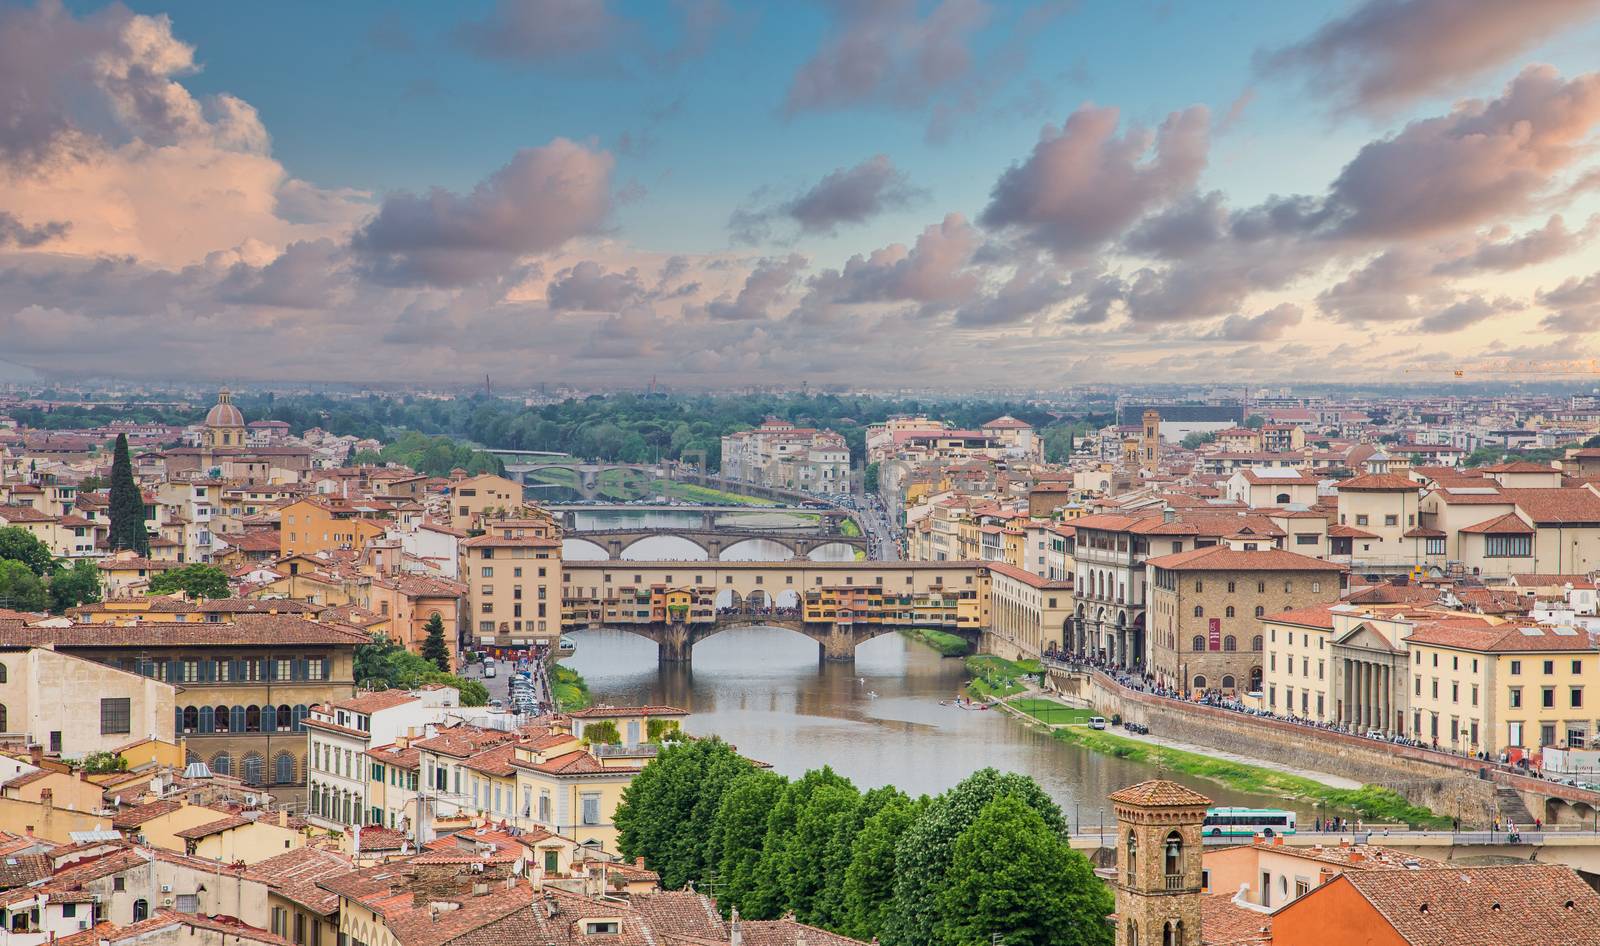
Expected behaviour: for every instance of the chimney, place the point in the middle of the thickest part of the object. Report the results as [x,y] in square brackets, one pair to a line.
[283,817]
[1324,875]
[36,754]
[1357,857]
[47,799]
[638,861]
[735,932]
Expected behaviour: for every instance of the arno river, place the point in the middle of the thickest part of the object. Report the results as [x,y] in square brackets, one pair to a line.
[765,691]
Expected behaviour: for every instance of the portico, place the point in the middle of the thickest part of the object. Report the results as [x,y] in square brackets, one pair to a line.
[1370,681]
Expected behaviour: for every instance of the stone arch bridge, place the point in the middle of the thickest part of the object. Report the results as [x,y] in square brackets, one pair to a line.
[616,542]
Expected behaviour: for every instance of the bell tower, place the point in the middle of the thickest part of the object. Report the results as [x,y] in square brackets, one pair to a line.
[1150,441]
[1159,846]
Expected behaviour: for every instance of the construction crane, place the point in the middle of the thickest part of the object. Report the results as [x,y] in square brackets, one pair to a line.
[1508,366]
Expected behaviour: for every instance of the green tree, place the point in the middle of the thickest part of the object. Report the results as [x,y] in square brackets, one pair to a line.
[19,545]
[20,588]
[667,811]
[1255,422]
[1011,875]
[472,692]
[869,878]
[774,884]
[869,479]
[832,906]
[127,504]
[737,833]
[829,814]
[97,763]
[196,581]
[923,855]
[1194,440]
[434,647]
[71,587]
[661,730]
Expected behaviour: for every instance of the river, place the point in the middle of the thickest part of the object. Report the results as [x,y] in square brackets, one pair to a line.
[764,690]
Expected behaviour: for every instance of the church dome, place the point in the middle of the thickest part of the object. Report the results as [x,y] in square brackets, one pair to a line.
[223,413]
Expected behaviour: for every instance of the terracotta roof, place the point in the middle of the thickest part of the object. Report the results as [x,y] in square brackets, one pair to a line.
[1223,558]
[375,701]
[1557,506]
[1502,638]
[1508,524]
[213,827]
[233,931]
[245,630]
[1159,793]
[1423,533]
[1319,616]
[1513,905]
[1386,482]
[133,817]
[620,712]
[1226,923]
[463,741]
[1342,531]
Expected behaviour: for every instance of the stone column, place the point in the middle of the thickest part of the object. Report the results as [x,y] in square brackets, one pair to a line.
[1344,691]
[1366,695]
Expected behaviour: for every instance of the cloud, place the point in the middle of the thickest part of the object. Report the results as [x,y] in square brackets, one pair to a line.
[14,232]
[1551,241]
[887,51]
[589,35]
[934,272]
[1083,184]
[1576,305]
[588,287]
[766,284]
[544,197]
[1269,326]
[1459,315]
[1388,52]
[846,195]
[307,275]
[1483,160]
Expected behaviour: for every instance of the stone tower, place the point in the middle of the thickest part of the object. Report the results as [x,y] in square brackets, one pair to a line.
[1150,441]
[1159,844]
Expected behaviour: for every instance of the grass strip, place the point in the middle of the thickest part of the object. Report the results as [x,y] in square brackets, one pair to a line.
[1371,802]
[947,644]
[1049,711]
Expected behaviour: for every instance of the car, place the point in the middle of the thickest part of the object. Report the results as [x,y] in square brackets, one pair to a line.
[488,670]
[1097,722]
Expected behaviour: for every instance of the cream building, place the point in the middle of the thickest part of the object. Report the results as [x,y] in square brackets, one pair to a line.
[513,578]
[73,706]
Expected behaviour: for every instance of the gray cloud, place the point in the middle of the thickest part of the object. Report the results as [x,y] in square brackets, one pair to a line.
[1576,305]
[888,51]
[1269,326]
[763,288]
[1464,313]
[1083,184]
[542,198]
[588,287]
[589,34]
[1386,52]
[846,195]
[14,232]
[1549,242]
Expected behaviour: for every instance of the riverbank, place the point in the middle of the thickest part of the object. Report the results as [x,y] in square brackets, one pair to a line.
[997,677]
[1335,794]
[570,692]
[945,643]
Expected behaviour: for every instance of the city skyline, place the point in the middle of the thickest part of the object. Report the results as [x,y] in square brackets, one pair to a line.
[865,194]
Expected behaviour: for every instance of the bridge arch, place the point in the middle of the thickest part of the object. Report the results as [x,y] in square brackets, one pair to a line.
[676,548]
[574,549]
[833,552]
[756,549]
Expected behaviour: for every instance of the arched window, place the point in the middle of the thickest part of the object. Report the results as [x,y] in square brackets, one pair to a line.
[141,909]
[1229,612]
[1199,612]
[1133,855]
[1260,611]
[1172,934]
[2,673]
[284,766]
[300,713]
[1283,499]
[238,713]
[1173,855]
[1227,681]
[1229,643]
[252,719]
[221,718]
[1133,932]
[285,718]
[1255,678]
[1199,643]
[1199,681]
[191,719]
[3,718]
[208,719]
[1255,643]
[250,771]
[222,764]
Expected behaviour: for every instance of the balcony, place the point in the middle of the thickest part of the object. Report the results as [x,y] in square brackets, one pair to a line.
[1175,882]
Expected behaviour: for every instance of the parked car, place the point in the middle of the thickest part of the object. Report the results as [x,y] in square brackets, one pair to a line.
[1097,722]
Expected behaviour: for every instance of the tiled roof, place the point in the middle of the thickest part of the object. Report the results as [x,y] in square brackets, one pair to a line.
[375,701]
[462,741]
[1508,524]
[213,827]
[1502,638]
[1556,506]
[1319,616]
[1226,923]
[244,630]
[1385,482]
[1514,905]
[1223,558]
[1159,793]
[1342,531]
[133,817]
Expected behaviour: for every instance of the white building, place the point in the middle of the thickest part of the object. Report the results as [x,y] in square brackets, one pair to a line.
[339,735]
[781,455]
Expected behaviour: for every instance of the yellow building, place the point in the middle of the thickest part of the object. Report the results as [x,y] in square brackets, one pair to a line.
[323,524]
[486,496]
[234,839]
[513,578]
[1504,688]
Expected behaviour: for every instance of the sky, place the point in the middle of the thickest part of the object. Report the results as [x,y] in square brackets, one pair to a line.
[875,193]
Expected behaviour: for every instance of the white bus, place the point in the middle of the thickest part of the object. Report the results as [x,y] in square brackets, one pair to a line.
[1248,822]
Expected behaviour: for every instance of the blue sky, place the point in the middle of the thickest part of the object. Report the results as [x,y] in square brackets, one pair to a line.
[323,175]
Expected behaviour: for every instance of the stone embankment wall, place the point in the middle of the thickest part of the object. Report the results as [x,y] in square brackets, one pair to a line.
[1448,790]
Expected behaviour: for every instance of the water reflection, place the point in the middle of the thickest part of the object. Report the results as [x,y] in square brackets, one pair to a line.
[765,690]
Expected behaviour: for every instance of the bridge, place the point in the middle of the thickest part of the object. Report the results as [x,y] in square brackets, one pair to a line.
[769,594]
[709,512]
[714,542]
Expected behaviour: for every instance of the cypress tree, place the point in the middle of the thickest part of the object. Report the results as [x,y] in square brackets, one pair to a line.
[127,504]
[433,646]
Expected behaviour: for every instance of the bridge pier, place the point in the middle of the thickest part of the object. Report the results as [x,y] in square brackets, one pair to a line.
[675,643]
[838,643]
